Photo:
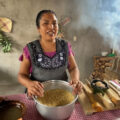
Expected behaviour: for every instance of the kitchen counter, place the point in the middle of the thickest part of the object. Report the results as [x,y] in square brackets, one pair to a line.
[78,114]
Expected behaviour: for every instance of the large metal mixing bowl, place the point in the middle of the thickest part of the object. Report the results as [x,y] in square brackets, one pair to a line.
[58,112]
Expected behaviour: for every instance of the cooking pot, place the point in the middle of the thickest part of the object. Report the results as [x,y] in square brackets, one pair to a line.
[11,109]
[57,112]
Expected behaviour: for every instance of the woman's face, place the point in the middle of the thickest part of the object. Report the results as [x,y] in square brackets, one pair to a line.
[48,26]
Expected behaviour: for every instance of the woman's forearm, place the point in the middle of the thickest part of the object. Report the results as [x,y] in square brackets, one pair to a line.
[75,77]
[74,74]
[24,79]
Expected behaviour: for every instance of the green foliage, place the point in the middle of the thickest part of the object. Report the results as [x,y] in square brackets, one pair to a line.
[5,43]
[99,90]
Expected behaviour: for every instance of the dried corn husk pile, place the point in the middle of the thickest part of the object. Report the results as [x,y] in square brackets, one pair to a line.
[92,103]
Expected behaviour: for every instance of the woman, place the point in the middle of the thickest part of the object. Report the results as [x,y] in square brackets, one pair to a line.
[47,58]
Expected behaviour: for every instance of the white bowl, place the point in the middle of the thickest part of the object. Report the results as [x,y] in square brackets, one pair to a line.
[104,53]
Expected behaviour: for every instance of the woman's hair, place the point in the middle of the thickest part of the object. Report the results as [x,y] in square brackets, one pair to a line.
[40,14]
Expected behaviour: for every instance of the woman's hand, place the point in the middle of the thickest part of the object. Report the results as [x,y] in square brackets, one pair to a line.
[77,86]
[35,88]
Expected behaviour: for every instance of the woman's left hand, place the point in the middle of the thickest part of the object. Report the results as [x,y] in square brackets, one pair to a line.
[77,86]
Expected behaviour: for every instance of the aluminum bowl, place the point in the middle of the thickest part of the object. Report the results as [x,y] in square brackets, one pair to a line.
[58,112]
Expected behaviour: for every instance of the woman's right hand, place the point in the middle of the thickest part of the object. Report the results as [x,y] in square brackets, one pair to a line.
[35,88]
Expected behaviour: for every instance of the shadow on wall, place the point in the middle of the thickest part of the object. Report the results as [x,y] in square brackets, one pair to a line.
[16,45]
[89,43]
[6,78]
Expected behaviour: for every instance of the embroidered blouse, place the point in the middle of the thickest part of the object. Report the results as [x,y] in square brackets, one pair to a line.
[50,54]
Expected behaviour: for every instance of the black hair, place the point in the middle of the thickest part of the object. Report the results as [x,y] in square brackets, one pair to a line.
[40,14]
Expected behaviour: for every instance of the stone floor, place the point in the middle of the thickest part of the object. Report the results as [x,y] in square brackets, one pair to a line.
[10,89]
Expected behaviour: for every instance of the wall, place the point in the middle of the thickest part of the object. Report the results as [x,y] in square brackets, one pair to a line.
[23,14]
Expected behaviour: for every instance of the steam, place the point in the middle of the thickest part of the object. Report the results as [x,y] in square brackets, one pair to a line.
[103,15]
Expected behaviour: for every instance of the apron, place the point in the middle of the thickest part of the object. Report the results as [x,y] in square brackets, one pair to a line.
[48,68]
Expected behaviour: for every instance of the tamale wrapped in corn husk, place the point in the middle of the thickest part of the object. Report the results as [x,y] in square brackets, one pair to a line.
[96,105]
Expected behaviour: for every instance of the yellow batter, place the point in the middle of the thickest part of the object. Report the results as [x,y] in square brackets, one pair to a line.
[56,97]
